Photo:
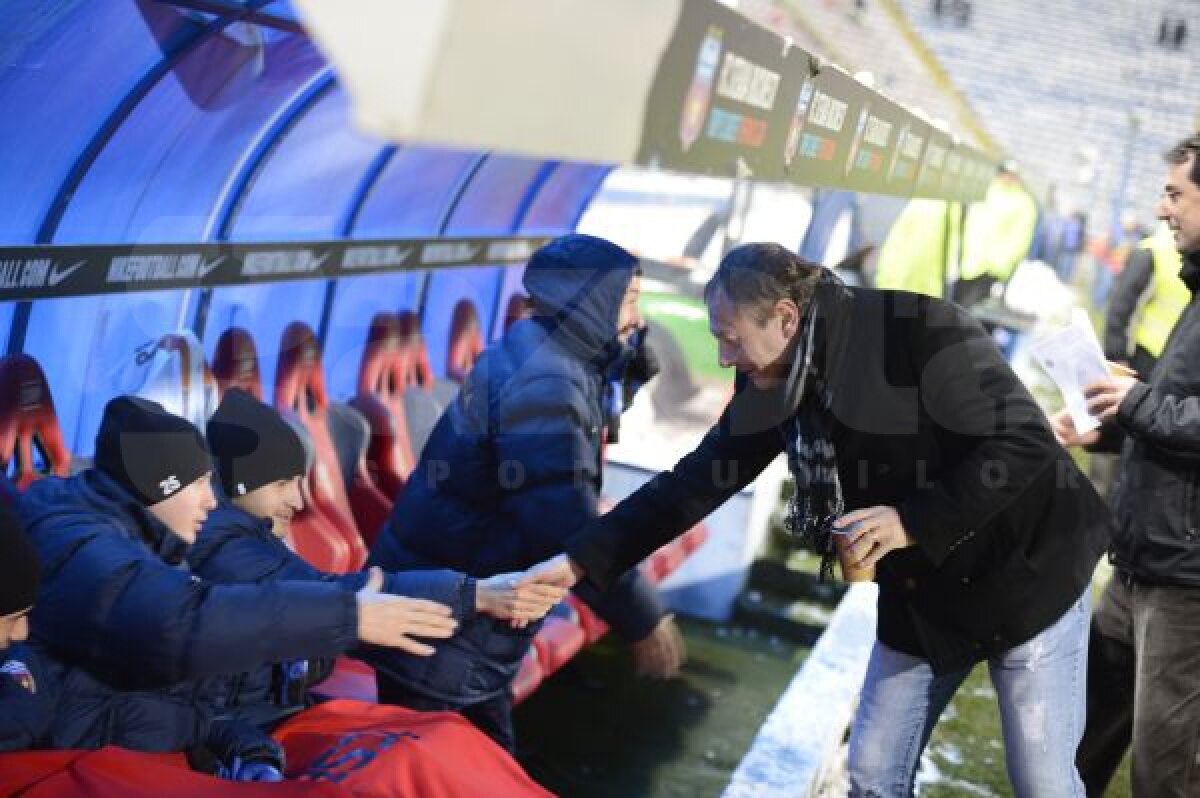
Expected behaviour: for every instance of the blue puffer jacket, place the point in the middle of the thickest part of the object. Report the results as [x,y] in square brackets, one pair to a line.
[29,690]
[234,547]
[47,705]
[116,601]
[513,467]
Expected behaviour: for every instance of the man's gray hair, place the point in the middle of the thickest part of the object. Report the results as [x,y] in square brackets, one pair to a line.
[759,275]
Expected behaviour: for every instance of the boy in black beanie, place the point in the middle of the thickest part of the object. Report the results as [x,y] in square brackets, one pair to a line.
[160,460]
[18,580]
[27,686]
[260,462]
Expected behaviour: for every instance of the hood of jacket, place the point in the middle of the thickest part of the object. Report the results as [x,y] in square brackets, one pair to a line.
[1190,271]
[577,283]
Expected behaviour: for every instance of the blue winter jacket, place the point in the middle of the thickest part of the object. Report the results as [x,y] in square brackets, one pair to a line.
[513,467]
[46,705]
[117,601]
[29,690]
[235,547]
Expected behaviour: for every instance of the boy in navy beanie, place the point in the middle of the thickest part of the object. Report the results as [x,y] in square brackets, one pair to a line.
[260,459]
[27,693]
[160,460]
[18,580]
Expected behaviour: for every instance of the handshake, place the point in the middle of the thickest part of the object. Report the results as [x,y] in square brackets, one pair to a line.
[520,598]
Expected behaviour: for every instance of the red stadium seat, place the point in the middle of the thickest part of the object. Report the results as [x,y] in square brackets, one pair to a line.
[28,423]
[419,373]
[300,388]
[589,621]
[694,538]
[518,308]
[386,370]
[663,562]
[556,642]
[528,677]
[235,365]
[466,340]
[350,679]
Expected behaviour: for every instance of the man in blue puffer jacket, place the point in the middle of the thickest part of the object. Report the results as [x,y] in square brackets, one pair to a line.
[117,603]
[260,462]
[511,469]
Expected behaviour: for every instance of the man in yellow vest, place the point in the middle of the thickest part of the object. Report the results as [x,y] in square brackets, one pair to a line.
[919,248]
[1150,282]
[996,236]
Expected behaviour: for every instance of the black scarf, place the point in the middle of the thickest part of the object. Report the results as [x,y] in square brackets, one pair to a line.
[817,500]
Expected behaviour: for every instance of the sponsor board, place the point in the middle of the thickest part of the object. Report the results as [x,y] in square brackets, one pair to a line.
[733,99]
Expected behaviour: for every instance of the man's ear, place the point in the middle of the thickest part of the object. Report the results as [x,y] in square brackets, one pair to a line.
[789,317]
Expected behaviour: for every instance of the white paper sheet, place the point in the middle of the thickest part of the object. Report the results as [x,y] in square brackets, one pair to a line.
[1073,359]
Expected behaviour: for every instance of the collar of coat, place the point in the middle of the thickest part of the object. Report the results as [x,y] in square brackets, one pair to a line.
[1190,273]
[133,515]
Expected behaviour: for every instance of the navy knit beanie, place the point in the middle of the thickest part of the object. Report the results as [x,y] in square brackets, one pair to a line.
[150,452]
[18,565]
[252,444]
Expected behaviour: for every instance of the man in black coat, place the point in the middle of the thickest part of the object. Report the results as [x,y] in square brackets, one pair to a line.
[117,604]
[511,468]
[906,432]
[1144,674]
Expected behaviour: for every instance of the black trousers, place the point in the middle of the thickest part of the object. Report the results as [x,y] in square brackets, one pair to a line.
[1144,688]
[493,717]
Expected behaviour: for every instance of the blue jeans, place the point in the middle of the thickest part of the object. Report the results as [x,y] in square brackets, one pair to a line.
[1041,686]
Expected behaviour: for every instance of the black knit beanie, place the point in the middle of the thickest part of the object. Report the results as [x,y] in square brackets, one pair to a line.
[18,565]
[150,452]
[252,444]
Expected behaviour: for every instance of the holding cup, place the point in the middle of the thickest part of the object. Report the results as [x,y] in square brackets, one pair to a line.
[846,557]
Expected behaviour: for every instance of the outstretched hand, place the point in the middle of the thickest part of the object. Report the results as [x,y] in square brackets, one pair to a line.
[661,653]
[558,572]
[392,621]
[512,597]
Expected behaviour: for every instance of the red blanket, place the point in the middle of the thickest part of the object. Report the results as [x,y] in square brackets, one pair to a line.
[335,750]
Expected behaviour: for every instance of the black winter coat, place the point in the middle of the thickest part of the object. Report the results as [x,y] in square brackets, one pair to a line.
[928,419]
[1157,494]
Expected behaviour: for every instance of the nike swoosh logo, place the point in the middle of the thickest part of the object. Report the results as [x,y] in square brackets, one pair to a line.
[57,275]
[316,262]
[207,267]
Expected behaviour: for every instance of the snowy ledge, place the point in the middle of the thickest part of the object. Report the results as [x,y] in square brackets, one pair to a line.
[802,736]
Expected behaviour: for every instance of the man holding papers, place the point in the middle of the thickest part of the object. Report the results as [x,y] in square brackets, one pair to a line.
[1144,670]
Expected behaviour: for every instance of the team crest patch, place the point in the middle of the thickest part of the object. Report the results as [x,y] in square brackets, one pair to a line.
[19,672]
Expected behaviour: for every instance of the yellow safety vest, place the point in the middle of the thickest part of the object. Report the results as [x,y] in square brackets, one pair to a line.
[1168,294]
[914,254]
[998,231]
